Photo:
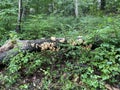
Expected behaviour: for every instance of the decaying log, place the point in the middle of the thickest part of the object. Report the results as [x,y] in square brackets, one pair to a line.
[12,48]
[109,87]
[8,45]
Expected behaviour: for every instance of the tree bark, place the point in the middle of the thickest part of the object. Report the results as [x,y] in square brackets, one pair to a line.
[76,8]
[18,27]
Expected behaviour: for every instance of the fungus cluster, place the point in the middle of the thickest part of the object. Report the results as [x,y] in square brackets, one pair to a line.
[45,46]
[52,44]
[80,41]
[61,40]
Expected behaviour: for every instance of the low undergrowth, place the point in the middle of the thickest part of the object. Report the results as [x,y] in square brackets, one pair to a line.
[73,67]
[69,69]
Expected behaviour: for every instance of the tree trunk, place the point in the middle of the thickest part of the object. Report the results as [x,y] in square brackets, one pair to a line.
[101,4]
[76,8]
[24,12]
[51,7]
[18,27]
[12,48]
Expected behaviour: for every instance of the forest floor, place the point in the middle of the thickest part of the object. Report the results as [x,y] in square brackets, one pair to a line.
[71,68]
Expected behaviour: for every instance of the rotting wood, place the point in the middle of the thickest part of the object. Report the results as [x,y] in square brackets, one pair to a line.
[12,48]
[109,87]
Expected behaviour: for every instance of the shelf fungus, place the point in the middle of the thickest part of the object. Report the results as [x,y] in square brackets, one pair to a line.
[62,40]
[33,44]
[45,46]
[76,42]
[53,38]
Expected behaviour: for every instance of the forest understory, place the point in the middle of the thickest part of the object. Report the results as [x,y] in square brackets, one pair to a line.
[60,45]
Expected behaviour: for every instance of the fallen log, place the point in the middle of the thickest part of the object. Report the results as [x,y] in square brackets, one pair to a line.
[109,87]
[13,47]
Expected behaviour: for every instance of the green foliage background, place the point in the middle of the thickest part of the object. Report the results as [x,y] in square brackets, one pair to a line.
[72,68]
